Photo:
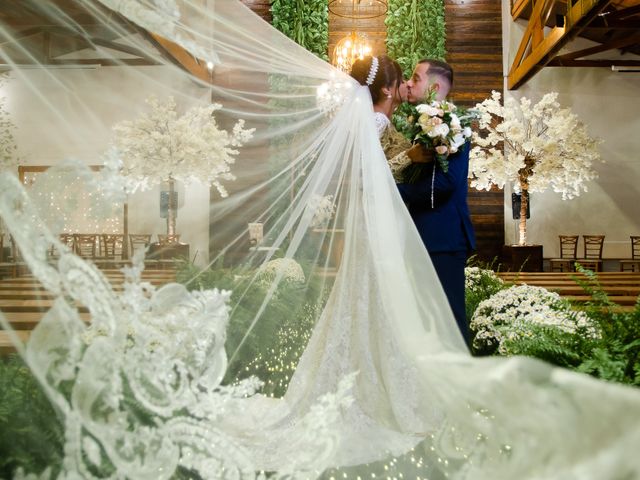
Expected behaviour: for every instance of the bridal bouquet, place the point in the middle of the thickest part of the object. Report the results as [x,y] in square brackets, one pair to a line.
[439,125]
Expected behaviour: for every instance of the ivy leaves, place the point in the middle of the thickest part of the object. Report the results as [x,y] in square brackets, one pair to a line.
[304,21]
[415,30]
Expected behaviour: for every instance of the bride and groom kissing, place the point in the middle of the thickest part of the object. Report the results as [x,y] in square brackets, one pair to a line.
[437,199]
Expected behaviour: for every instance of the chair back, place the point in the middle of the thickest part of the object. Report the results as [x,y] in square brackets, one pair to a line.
[85,244]
[112,245]
[139,241]
[16,256]
[635,247]
[168,239]
[65,239]
[593,246]
[568,246]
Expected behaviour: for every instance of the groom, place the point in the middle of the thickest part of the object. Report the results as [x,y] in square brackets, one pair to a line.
[444,223]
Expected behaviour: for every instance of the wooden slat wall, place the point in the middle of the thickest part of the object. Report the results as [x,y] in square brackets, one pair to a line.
[474,50]
[261,7]
[474,46]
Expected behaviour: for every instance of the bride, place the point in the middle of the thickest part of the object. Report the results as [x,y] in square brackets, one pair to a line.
[385,385]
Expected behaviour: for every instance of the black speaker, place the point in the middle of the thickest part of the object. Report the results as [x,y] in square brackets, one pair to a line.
[164,203]
[515,205]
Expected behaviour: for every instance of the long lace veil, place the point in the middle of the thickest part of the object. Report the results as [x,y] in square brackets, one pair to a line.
[305,332]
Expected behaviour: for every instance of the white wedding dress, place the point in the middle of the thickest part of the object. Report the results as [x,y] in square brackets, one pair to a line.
[385,386]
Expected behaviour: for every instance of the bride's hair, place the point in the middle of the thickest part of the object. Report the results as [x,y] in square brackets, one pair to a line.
[387,73]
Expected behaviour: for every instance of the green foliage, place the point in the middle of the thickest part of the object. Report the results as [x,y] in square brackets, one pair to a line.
[276,341]
[613,355]
[616,356]
[31,433]
[480,284]
[304,21]
[415,30]
[562,348]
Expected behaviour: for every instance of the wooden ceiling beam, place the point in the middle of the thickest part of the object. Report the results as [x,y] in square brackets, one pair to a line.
[27,32]
[611,45]
[537,49]
[193,65]
[84,62]
[595,63]
[622,14]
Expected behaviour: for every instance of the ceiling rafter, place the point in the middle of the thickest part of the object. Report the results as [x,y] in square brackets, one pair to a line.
[552,24]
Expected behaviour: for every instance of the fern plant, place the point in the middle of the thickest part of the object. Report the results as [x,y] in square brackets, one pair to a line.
[31,433]
[613,354]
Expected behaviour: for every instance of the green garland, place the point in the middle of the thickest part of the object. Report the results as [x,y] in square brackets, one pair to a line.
[415,30]
[304,21]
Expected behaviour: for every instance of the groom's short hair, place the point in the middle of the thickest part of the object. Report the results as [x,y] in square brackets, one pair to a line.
[440,68]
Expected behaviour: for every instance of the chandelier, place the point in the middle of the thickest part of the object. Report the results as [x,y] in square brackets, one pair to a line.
[355,45]
[349,49]
[358,9]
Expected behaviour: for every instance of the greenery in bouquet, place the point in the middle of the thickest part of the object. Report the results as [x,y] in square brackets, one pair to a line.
[439,125]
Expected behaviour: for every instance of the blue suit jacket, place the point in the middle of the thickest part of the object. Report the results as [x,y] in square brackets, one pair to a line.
[446,227]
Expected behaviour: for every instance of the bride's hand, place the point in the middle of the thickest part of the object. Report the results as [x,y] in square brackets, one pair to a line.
[419,154]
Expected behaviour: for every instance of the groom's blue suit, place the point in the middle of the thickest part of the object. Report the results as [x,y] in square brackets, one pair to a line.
[446,228]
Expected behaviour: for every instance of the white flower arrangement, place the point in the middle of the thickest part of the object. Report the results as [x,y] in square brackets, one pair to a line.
[544,146]
[8,148]
[323,209]
[162,146]
[475,278]
[510,314]
[287,268]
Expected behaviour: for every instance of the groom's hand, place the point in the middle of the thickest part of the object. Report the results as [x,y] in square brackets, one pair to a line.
[420,154]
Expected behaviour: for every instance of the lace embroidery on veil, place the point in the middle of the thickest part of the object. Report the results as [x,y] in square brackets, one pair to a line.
[385,385]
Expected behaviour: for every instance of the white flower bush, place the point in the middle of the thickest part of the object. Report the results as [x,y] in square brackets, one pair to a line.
[287,268]
[544,146]
[475,279]
[323,210]
[8,156]
[161,146]
[511,314]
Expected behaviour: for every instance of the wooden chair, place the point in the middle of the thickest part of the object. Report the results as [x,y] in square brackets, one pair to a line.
[138,241]
[84,244]
[634,262]
[112,246]
[592,259]
[11,268]
[6,268]
[65,239]
[168,239]
[568,254]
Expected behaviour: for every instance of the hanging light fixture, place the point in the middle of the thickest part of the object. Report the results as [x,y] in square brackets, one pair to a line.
[349,49]
[355,45]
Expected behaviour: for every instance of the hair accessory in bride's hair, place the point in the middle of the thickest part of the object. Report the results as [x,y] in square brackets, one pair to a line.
[372,71]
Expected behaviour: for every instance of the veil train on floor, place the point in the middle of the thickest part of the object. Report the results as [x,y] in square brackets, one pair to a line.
[306,334]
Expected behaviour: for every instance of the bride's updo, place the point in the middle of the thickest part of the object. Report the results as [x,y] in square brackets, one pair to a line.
[376,73]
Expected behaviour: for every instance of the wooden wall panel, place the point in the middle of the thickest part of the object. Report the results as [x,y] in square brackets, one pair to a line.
[260,7]
[474,50]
